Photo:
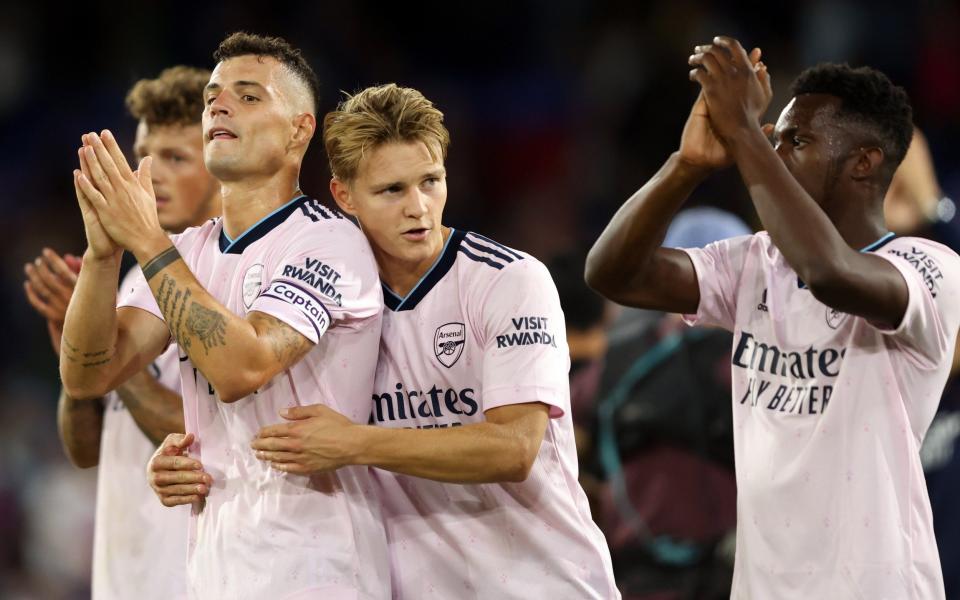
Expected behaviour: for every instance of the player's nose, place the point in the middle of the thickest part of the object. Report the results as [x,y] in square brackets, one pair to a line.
[220,105]
[416,203]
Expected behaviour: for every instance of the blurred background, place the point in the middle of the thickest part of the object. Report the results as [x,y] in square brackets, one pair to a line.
[558,111]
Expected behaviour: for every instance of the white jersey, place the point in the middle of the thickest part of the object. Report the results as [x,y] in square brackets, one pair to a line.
[829,413]
[484,329]
[139,546]
[263,533]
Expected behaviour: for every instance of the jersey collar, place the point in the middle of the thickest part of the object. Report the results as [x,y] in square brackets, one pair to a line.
[437,270]
[258,229]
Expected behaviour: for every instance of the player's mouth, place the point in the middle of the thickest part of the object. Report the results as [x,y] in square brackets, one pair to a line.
[220,133]
[417,234]
[162,200]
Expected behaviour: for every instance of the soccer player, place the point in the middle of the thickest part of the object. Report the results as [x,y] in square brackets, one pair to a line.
[139,548]
[471,405]
[274,305]
[842,332]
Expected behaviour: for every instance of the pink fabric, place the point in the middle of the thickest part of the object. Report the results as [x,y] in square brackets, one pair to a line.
[263,533]
[488,333]
[829,413]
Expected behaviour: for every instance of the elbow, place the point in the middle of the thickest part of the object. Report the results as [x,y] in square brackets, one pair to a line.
[521,463]
[238,386]
[83,460]
[83,390]
[596,276]
[82,456]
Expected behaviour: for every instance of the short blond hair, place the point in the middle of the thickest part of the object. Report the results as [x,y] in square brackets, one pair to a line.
[376,116]
[173,98]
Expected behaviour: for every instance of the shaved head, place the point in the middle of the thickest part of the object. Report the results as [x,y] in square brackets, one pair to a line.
[304,89]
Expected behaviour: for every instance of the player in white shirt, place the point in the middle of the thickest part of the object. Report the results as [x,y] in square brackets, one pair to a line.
[270,306]
[843,334]
[139,548]
[471,408]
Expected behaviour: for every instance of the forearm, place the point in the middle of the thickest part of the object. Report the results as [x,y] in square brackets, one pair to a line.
[90,329]
[799,228]
[79,423]
[478,453]
[226,348]
[156,410]
[624,250]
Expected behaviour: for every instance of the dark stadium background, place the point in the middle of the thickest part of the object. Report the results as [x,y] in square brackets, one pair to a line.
[558,110]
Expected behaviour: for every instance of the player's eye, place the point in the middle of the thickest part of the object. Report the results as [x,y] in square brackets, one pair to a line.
[249,98]
[797,142]
[210,100]
[431,181]
[176,158]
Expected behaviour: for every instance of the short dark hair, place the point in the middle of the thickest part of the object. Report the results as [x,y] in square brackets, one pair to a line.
[868,97]
[242,43]
[173,98]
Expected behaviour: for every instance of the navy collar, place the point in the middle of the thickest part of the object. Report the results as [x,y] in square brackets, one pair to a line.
[259,229]
[880,243]
[436,272]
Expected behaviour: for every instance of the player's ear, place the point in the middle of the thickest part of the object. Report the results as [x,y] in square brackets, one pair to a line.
[340,190]
[867,161]
[304,126]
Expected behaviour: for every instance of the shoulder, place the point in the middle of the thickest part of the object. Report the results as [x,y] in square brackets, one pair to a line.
[203,231]
[311,212]
[493,269]
[910,247]
[316,224]
[485,252]
[937,265]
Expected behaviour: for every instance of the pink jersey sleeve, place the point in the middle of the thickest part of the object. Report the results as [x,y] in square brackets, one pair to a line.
[929,326]
[525,357]
[134,290]
[718,266]
[323,281]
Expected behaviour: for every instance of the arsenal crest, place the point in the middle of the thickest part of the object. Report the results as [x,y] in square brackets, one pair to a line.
[448,343]
[834,317]
[252,282]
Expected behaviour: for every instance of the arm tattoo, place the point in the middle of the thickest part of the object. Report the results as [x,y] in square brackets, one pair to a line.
[86,359]
[159,262]
[287,343]
[195,321]
[208,325]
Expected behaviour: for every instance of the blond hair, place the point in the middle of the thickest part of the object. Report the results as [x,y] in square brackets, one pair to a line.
[173,98]
[376,116]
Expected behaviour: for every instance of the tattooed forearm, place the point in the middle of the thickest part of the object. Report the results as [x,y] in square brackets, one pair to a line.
[93,358]
[188,319]
[178,320]
[207,325]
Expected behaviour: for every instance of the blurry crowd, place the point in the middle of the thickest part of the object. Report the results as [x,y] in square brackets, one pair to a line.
[558,112]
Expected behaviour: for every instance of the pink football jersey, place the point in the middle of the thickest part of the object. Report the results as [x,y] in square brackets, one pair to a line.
[139,546]
[263,533]
[829,413]
[484,329]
